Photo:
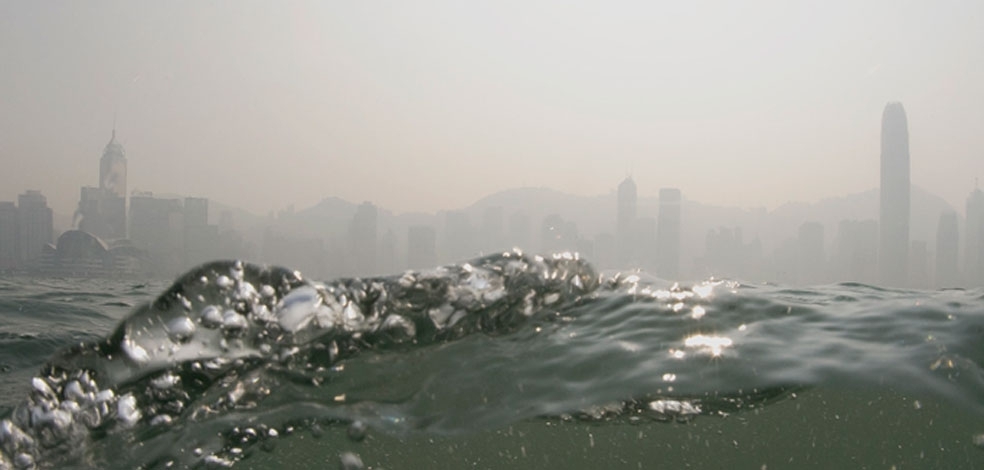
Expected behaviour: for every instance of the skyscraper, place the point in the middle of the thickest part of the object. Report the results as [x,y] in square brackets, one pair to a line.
[947,235]
[103,209]
[9,235]
[625,220]
[668,234]
[974,241]
[112,168]
[35,225]
[893,236]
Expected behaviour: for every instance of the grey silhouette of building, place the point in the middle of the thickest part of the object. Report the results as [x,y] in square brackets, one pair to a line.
[856,251]
[947,251]
[644,243]
[421,247]
[625,221]
[9,253]
[974,240]
[811,259]
[103,209]
[201,240]
[363,240]
[157,228]
[35,226]
[893,237]
[668,234]
[459,242]
[918,264]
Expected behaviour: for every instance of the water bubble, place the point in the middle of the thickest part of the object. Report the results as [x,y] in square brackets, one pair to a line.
[350,461]
[211,317]
[978,440]
[223,282]
[181,329]
[357,431]
[127,410]
[233,322]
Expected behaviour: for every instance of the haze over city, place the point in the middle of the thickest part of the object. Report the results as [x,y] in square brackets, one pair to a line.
[429,106]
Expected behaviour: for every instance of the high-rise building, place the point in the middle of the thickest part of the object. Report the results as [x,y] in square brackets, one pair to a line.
[112,168]
[201,240]
[35,223]
[893,237]
[103,209]
[974,241]
[947,251]
[9,234]
[625,220]
[668,234]
[856,251]
[157,227]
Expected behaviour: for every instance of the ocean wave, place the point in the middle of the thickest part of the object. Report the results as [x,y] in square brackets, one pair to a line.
[234,357]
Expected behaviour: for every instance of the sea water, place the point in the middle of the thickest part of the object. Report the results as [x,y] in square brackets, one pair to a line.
[508,361]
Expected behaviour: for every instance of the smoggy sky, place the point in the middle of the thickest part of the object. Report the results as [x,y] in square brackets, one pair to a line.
[431,105]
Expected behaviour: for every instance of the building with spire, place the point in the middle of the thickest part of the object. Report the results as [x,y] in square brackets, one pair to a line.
[893,230]
[102,210]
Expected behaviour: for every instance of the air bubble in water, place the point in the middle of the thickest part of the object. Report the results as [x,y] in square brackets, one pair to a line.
[181,329]
[357,431]
[351,461]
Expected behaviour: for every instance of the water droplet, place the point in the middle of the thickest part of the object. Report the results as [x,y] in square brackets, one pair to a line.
[350,461]
[357,431]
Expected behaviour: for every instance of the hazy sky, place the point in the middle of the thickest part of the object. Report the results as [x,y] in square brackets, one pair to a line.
[431,105]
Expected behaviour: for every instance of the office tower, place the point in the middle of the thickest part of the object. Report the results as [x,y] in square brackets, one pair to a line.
[201,240]
[363,239]
[9,234]
[157,227]
[974,241]
[668,234]
[625,220]
[421,247]
[947,251]
[856,253]
[893,237]
[35,224]
[112,168]
[103,209]
[644,242]
[811,261]
[459,243]
[918,265]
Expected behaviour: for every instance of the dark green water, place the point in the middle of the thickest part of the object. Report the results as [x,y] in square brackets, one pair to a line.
[509,361]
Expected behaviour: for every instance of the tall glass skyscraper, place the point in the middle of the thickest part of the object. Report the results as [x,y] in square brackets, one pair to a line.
[893,247]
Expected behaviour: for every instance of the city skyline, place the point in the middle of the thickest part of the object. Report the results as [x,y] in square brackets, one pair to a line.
[427,107]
